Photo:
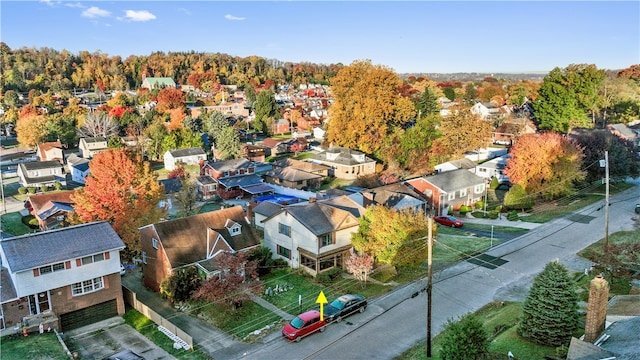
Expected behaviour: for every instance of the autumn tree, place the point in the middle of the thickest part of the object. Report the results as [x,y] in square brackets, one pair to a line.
[367,107]
[545,163]
[31,130]
[235,282]
[414,146]
[359,266]
[170,98]
[391,236]
[98,124]
[121,190]
[623,161]
[63,128]
[463,131]
[550,311]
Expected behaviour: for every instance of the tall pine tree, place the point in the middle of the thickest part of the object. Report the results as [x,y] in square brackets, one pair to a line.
[550,311]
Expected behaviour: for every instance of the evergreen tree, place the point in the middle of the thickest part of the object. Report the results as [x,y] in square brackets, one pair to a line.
[181,284]
[266,106]
[550,311]
[428,103]
[464,339]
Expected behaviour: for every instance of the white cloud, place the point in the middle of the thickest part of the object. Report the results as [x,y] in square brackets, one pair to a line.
[142,15]
[185,11]
[48,2]
[231,17]
[95,12]
[75,5]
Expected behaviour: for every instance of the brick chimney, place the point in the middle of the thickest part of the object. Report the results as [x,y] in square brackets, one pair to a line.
[596,309]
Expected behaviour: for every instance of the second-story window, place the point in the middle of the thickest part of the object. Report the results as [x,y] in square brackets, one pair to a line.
[154,243]
[463,192]
[284,229]
[93,258]
[51,268]
[452,196]
[326,240]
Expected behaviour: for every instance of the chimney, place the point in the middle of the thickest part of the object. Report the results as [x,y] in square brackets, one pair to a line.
[596,309]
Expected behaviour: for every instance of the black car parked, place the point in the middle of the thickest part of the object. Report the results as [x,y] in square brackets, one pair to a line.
[344,306]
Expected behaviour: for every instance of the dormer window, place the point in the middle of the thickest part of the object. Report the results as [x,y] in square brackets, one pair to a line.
[233,227]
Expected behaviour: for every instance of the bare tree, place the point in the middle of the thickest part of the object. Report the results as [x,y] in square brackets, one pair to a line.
[98,124]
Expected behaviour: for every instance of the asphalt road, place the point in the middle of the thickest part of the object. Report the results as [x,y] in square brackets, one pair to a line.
[396,322]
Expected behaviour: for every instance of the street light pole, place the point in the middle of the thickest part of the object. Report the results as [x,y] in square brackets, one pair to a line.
[429,279]
[606,202]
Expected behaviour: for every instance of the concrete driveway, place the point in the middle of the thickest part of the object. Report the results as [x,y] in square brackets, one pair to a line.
[105,338]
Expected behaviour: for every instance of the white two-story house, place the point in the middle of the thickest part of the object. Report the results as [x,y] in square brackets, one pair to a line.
[41,173]
[67,278]
[314,236]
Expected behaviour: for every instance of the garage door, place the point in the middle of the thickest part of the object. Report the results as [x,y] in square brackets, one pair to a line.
[88,316]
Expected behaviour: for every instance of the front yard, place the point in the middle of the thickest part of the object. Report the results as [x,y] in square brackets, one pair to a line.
[34,346]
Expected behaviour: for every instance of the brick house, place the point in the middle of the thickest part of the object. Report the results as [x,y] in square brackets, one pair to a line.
[450,189]
[194,240]
[66,278]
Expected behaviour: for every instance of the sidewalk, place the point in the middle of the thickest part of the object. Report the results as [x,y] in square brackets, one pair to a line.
[269,306]
[502,222]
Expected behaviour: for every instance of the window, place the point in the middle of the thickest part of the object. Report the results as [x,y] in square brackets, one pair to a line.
[235,230]
[326,240]
[93,258]
[144,257]
[479,188]
[463,192]
[452,196]
[284,229]
[87,286]
[154,243]
[51,268]
[283,251]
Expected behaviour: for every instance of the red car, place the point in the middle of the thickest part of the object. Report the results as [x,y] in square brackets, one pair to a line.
[448,221]
[304,324]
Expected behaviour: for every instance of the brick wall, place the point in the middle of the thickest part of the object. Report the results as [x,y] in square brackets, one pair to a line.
[596,309]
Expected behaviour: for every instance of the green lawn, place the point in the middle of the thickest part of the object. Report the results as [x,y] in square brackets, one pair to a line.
[240,322]
[500,322]
[34,346]
[210,206]
[12,224]
[150,330]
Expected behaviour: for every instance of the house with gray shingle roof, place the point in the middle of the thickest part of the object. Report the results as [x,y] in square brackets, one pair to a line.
[79,168]
[450,189]
[346,163]
[41,173]
[194,240]
[190,156]
[232,178]
[397,196]
[314,236]
[68,277]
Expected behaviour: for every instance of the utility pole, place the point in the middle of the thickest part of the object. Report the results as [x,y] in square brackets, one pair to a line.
[429,262]
[606,203]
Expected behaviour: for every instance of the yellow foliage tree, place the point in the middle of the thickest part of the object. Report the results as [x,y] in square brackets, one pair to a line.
[31,129]
[367,107]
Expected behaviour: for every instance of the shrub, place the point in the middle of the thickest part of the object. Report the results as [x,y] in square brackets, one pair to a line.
[44,188]
[329,275]
[480,204]
[31,190]
[493,214]
[30,221]
[464,209]
[517,198]
[22,190]
[513,216]
[494,183]
[57,185]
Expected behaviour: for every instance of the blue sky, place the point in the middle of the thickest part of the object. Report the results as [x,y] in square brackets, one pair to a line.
[411,36]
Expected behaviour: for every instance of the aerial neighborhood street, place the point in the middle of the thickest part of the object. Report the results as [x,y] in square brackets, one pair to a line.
[174,186]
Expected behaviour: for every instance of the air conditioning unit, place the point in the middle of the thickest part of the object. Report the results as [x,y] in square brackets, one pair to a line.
[60,218]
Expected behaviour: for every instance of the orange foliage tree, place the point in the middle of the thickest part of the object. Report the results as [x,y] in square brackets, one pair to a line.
[170,98]
[546,163]
[122,190]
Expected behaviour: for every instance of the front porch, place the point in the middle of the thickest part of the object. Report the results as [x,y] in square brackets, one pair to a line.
[318,263]
[48,319]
